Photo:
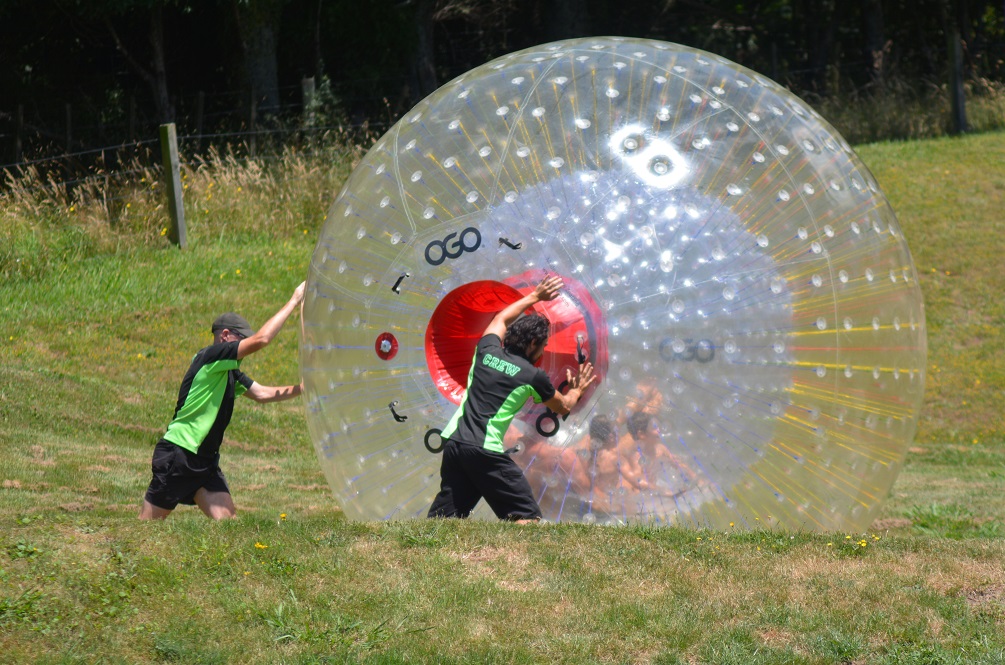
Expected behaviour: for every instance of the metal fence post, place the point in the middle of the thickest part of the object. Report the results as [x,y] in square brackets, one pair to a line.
[172,179]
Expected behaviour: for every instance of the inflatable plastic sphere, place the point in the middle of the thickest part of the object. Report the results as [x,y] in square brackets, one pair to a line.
[731,269]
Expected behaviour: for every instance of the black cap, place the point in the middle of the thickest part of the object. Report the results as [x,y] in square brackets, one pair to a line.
[233,323]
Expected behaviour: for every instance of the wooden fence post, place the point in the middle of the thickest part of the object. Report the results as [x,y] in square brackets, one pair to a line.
[200,110]
[172,179]
[69,128]
[18,132]
[132,119]
[957,96]
[307,86]
[252,122]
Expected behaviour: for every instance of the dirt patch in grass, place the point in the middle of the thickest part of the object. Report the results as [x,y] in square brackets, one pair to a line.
[76,507]
[984,595]
[38,457]
[12,484]
[247,447]
[130,427]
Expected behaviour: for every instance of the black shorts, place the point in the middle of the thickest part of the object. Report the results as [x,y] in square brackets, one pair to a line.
[178,474]
[469,473]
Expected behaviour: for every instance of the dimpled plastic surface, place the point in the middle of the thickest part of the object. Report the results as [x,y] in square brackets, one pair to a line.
[734,272]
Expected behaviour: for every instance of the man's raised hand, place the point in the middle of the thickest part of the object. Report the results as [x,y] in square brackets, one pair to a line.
[548,288]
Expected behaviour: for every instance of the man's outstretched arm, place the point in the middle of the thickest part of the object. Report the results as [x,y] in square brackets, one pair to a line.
[562,404]
[547,290]
[271,327]
[265,394]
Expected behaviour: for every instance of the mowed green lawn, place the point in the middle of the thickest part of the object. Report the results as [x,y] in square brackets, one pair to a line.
[93,343]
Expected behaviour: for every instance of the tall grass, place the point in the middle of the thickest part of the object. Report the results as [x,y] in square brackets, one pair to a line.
[45,222]
[896,110]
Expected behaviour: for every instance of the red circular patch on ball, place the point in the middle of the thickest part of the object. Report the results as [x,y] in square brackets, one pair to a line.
[462,315]
[386,346]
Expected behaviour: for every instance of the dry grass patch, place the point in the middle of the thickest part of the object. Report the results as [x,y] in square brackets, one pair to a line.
[890,523]
[509,568]
[80,545]
[482,556]
[775,638]
[958,575]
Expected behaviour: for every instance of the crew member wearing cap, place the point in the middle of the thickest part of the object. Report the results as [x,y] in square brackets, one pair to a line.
[186,461]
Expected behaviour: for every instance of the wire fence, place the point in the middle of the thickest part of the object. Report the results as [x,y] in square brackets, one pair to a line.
[111,173]
[110,164]
[237,119]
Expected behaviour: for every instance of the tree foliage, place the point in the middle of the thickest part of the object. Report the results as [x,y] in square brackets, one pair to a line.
[147,61]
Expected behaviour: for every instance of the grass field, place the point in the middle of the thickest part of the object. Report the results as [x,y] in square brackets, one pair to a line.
[98,320]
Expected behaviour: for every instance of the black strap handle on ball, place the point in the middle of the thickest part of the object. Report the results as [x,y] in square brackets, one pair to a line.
[397,284]
[425,440]
[546,416]
[552,416]
[397,417]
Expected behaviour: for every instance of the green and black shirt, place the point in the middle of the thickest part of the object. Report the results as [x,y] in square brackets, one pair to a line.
[206,399]
[498,386]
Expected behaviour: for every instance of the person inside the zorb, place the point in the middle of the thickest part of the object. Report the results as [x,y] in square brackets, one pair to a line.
[503,376]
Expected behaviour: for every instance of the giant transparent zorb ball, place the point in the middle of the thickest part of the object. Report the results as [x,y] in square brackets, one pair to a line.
[731,269]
